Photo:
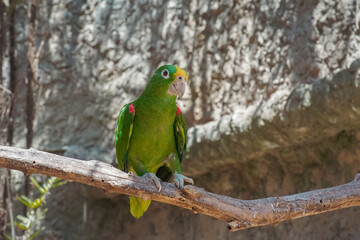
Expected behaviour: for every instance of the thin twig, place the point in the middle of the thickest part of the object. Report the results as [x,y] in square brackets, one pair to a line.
[10,206]
[237,213]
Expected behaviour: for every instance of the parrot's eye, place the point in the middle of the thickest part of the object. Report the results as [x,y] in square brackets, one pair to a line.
[165,74]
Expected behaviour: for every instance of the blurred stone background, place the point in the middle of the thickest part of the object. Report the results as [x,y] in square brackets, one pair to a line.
[273,105]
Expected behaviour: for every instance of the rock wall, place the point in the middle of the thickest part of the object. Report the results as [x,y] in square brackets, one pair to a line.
[266,109]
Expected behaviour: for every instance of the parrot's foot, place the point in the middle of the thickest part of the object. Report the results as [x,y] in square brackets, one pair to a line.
[180,179]
[155,179]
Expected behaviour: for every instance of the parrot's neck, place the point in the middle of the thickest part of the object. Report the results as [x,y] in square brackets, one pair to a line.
[153,112]
[158,104]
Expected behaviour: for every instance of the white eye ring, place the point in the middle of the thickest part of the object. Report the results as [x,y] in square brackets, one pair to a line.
[165,74]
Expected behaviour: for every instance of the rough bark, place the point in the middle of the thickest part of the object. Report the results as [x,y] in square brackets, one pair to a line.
[30,76]
[239,214]
[12,80]
[30,73]
[2,38]
[3,212]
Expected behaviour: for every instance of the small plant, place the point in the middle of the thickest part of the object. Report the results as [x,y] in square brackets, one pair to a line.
[32,222]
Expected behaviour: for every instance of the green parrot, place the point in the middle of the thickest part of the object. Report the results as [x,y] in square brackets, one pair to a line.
[151,133]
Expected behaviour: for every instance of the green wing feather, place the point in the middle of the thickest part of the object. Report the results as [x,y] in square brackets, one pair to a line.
[122,140]
[123,136]
[180,131]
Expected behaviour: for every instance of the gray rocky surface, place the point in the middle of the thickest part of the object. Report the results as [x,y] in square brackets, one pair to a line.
[273,101]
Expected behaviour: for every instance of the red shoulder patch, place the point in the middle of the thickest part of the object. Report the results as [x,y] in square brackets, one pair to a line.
[178,111]
[132,109]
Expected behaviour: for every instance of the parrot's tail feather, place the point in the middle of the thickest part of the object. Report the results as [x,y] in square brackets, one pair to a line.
[138,206]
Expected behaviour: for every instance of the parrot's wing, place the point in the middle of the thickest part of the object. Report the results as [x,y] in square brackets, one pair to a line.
[180,130]
[123,135]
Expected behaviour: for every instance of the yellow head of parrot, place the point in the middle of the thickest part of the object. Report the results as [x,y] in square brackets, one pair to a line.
[181,72]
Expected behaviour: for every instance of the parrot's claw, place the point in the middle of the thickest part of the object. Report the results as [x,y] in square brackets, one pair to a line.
[155,179]
[180,179]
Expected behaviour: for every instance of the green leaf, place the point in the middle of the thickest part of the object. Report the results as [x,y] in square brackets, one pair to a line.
[8,237]
[35,212]
[39,188]
[44,211]
[53,182]
[20,225]
[35,234]
[58,184]
[49,183]
[24,222]
[37,203]
[22,218]
[25,200]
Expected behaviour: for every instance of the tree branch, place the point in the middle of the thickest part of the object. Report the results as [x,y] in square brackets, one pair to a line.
[239,214]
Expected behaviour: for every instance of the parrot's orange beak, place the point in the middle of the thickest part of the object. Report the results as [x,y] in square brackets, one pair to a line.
[177,87]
